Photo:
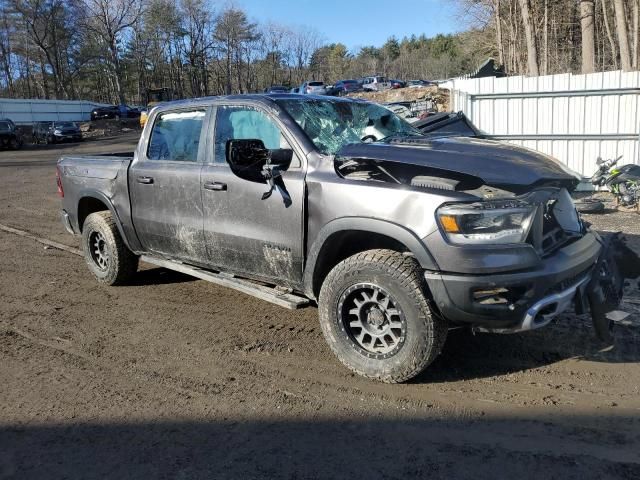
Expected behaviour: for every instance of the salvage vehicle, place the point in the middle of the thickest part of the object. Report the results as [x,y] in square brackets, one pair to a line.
[115,112]
[10,135]
[375,84]
[56,132]
[343,87]
[276,89]
[419,83]
[313,88]
[398,237]
[397,84]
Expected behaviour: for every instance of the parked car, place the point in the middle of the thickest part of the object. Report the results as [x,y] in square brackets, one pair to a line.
[413,110]
[56,132]
[10,135]
[115,112]
[397,84]
[343,87]
[419,83]
[276,89]
[375,83]
[313,88]
[397,236]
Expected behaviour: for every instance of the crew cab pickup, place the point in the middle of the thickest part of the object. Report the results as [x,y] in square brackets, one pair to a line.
[397,236]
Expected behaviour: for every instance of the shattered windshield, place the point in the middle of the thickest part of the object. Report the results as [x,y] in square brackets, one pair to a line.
[332,124]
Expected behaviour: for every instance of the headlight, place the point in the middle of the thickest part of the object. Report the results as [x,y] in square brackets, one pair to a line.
[486,222]
[57,132]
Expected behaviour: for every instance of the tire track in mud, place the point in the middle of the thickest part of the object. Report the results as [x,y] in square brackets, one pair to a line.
[290,334]
[582,444]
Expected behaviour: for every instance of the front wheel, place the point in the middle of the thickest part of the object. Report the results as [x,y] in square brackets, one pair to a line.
[108,258]
[376,318]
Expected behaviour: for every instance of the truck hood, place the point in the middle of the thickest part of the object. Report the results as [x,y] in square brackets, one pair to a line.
[497,164]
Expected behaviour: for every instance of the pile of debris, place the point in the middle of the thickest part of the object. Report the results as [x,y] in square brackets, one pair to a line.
[439,97]
[110,127]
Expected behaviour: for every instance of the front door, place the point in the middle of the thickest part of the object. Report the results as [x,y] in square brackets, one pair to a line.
[164,182]
[245,233]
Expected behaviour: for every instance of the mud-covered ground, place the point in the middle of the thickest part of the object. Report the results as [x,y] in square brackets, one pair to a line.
[176,378]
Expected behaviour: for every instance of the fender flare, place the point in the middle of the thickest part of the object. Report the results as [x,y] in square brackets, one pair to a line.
[364,224]
[97,195]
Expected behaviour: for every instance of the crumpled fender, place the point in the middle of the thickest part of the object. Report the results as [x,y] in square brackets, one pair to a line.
[616,263]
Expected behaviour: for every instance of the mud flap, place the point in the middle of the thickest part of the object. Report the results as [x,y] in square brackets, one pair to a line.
[604,292]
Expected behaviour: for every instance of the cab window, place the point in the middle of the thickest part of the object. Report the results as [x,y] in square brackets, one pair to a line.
[244,123]
[176,136]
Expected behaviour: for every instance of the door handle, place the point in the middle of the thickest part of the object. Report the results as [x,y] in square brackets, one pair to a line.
[215,186]
[145,180]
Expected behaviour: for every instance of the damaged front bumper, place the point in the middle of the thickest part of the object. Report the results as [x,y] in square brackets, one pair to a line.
[588,274]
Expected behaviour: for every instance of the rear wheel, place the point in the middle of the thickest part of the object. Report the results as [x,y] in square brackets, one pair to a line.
[376,318]
[107,257]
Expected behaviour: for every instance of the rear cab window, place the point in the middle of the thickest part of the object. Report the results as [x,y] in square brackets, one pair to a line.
[176,135]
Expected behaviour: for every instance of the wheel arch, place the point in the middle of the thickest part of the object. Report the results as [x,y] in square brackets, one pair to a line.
[344,237]
[93,201]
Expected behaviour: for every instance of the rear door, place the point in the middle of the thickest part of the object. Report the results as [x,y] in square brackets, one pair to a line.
[245,233]
[164,182]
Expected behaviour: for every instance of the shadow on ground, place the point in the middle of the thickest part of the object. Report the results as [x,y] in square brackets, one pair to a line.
[567,448]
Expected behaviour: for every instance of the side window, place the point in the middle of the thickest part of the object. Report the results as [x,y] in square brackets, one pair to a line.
[243,123]
[176,136]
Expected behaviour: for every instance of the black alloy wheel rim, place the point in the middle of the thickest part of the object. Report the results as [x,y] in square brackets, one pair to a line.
[372,319]
[99,250]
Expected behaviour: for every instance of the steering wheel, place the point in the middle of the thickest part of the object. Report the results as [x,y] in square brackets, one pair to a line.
[369,139]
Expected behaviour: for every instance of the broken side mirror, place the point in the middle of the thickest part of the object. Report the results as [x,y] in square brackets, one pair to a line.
[250,160]
[252,155]
[246,154]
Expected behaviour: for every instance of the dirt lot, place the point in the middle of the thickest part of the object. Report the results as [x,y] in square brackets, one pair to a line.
[176,378]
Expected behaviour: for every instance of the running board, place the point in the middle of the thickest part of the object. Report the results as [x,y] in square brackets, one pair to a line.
[269,294]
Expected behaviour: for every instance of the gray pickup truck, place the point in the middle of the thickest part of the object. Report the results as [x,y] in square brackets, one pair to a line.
[398,236]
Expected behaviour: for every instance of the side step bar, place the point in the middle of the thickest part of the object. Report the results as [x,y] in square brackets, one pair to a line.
[269,294]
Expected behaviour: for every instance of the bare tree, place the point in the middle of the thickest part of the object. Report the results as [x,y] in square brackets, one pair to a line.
[587,14]
[530,36]
[233,32]
[623,37]
[108,20]
[45,26]
[612,43]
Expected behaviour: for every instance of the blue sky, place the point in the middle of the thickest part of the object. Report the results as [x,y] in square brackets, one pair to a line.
[357,23]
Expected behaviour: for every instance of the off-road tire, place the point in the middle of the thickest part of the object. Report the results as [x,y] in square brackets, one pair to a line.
[589,205]
[400,276]
[122,263]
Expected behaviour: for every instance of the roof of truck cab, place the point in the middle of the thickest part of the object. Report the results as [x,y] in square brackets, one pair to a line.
[264,98]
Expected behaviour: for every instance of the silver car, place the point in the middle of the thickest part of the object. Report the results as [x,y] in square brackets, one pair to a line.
[313,88]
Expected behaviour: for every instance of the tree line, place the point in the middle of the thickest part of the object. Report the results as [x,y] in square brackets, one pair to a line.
[539,37]
[112,51]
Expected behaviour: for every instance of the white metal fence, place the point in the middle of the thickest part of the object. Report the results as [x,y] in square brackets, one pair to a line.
[26,112]
[575,118]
